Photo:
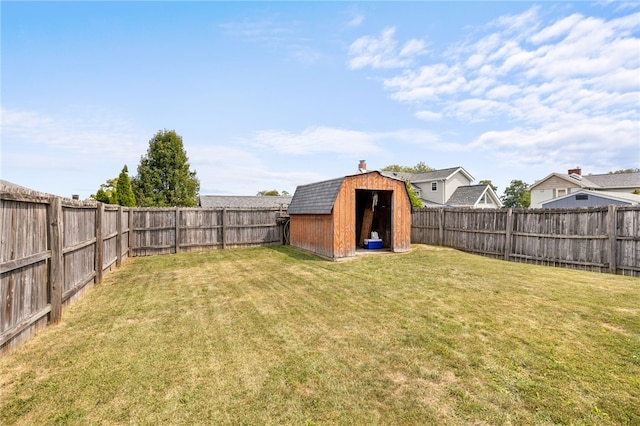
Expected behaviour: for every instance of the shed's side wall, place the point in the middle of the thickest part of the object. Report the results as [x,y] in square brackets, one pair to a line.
[312,232]
[345,218]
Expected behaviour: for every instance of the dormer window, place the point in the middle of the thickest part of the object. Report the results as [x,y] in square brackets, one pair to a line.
[434,186]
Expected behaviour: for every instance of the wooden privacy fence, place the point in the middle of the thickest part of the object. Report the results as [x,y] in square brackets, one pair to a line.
[48,252]
[603,239]
[162,231]
[50,248]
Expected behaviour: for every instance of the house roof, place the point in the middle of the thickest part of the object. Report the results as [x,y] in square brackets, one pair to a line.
[315,198]
[242,202]
[601,181]
[616,180]
[469,195]
[434,175]
[619,196]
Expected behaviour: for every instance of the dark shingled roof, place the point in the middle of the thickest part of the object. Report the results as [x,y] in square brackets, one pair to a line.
[427,176]
[600,182]
[244,202]
[466,195]
[616,180]
[315,198]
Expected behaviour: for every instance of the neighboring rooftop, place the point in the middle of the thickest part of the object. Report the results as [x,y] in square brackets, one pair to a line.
[427,176]
[604,181]
[467,195]
[616,180]
[244,201]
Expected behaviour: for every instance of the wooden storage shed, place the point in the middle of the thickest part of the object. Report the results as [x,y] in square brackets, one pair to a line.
[332,218]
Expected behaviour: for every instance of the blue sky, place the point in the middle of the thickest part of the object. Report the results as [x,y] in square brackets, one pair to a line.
[271,95]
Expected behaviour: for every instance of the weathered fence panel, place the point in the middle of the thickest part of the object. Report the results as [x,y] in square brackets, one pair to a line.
[163,231]
[24,258]
[602,239]
[49,249]
[200,228]
[79,250]
[154,232]
[627,225]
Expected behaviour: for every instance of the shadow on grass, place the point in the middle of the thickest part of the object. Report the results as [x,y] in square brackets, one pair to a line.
[298,254]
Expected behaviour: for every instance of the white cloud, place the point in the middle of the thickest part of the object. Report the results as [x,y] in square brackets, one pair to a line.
[285,38]
[85,132]
[383,52]
[557,89]
[428,115]
[315,140]
[356,21]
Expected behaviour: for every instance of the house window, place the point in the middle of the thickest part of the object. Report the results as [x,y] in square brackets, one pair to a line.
[484,199]
[582,197]
[434,186]
[562,192]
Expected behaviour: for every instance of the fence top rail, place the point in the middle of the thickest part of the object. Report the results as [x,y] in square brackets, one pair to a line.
[529,211]
[217,209]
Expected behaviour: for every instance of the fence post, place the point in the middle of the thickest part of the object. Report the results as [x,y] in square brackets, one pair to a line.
[224,228]
[507,235]
[119,237]
[56,279]
[99,243]
[130,242]
[612,229]
[441,226]
[177,230]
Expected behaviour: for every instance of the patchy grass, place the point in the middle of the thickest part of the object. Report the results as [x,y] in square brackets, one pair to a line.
[276,336]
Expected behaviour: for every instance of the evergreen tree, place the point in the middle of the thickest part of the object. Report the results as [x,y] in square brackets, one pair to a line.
[124,191]
[164,178]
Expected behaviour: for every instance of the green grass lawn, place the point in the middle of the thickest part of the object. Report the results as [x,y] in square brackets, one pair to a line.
[274,336]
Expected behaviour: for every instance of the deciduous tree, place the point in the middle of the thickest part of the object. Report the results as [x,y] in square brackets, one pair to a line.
[107,193]
[421,167]
[517,195]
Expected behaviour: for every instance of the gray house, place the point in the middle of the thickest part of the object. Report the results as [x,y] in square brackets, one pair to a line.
[586,198]
[450,187]
[557,185]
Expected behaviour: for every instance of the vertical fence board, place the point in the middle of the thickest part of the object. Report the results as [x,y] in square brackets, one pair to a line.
[57,261]
[600,239]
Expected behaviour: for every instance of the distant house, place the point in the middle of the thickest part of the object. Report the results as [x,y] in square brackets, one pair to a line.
[245,202]
[557,185]
[586,198]
[450,188]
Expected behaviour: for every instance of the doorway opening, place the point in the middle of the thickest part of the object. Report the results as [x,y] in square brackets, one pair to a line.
[373,213]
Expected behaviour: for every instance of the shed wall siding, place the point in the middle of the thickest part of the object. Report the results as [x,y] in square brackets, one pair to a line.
[312,232]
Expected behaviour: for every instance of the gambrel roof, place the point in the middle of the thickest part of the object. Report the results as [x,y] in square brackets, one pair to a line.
[315,198]
[319,197]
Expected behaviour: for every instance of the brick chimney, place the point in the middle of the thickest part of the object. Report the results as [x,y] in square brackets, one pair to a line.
[576,171]
[362,167]
[75,197]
